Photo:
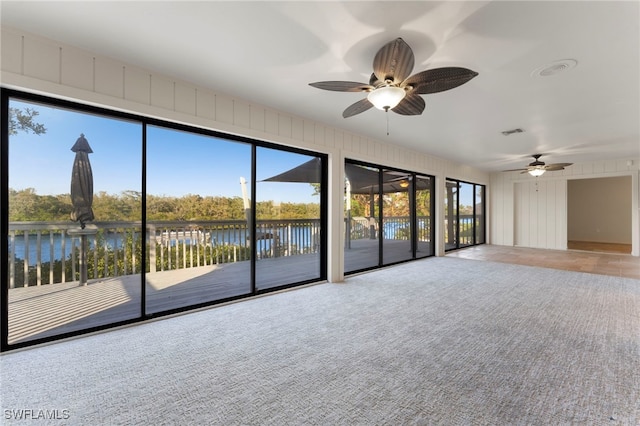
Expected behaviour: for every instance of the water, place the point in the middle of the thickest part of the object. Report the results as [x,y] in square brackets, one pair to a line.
[300,236]
[45,247]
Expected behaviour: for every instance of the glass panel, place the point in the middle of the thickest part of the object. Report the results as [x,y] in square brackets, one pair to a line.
[480,215]
[396,219]
[197,233]
[465,214]
[451,216]
[287,218]
[361,218]
[424,201]
[66,275]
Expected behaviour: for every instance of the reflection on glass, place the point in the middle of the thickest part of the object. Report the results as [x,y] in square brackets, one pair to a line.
[424,193]
[451,215]
[479,218]
[62,277]
[197,228]
[362,221]
[287,228]
[466,202]
[396,221]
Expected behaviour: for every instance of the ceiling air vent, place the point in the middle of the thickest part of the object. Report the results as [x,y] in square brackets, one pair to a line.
[554,68]
[510,132]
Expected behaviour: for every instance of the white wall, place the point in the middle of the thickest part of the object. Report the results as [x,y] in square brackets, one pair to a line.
[38,65]
[533,212]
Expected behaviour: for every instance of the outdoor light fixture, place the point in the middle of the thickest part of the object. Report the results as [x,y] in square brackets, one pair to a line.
[536,172]
[404,183]
[386,97]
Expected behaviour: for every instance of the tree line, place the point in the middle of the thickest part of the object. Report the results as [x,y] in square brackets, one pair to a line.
[25,205]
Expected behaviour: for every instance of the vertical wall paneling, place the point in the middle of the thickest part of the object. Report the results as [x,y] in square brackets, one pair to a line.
[257,117]
[561,208]
[318,134]
[137,86]
[76,68]
[297,128]
[11,47]
[329,138]
[205,104]
[241,114]
[162,93]
[224,109]
[184,98]
[41,59]
[309,131]
[108,77]
[272,122]
[285,126]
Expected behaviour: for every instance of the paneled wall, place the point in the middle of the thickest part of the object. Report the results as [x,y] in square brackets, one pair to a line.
[34,64]
[532,212]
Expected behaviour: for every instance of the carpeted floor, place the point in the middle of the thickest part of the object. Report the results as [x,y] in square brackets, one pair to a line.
[437,341]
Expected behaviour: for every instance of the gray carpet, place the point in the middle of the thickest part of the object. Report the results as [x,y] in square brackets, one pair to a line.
[436,341]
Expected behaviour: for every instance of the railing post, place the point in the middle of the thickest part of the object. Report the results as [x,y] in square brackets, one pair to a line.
[26,259]
[12,259]
[152,247]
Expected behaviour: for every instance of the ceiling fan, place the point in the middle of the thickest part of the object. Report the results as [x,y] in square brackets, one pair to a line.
[390,86]
[537,168]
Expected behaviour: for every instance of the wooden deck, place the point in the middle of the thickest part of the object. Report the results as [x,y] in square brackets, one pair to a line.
[49,310]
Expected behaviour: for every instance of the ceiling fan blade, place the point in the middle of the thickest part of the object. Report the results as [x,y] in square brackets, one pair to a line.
[356,108]
[373,80]
[439,79]
[394,61]
[342,86]
[516,170]
[411,104]
[557,166]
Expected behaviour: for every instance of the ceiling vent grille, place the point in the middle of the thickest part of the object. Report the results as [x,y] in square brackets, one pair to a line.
[554,68]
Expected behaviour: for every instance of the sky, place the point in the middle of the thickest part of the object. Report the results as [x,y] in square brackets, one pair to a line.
[178,163]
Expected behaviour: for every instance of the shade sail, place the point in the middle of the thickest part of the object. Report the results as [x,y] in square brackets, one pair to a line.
[308,172]
[363,180]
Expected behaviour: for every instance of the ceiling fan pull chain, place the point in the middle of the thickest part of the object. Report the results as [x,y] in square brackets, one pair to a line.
[386,112]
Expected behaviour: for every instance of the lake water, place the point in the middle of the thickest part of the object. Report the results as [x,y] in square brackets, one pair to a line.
[300,236]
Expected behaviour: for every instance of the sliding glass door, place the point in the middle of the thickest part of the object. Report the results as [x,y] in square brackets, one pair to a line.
[387,217]
[74,212]
[287,232]
[197,232]
[425,212]
[464,207]
[110,218]
[362,217]
[397,217]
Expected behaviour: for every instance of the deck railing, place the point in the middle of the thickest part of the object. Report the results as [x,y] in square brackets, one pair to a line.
[47,253]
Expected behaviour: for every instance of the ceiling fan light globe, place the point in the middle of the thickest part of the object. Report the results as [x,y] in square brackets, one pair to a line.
[536,172]
[386,97]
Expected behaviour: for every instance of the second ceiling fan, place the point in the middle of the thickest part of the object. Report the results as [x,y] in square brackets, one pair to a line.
[537,167]
[391,87]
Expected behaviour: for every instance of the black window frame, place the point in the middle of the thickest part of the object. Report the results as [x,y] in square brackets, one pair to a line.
[412,213]
[8,94]
[474,232]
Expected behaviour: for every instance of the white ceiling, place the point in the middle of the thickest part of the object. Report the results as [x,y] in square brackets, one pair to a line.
[268,52]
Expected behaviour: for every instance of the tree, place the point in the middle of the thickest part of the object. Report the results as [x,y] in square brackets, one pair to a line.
[23,121]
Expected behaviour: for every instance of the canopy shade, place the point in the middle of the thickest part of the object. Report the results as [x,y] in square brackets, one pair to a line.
[307,172]
[363,180]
